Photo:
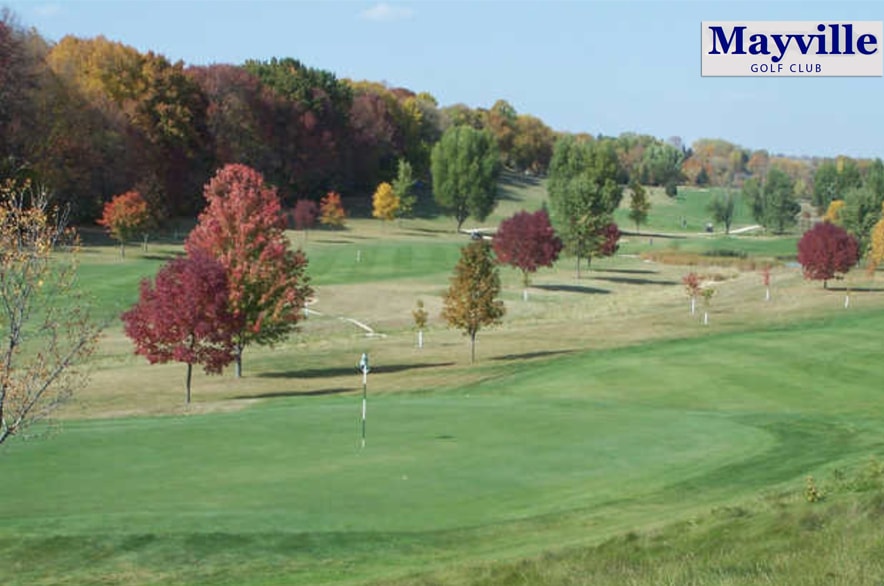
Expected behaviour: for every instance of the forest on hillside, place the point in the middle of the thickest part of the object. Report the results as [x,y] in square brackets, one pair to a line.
[94,118]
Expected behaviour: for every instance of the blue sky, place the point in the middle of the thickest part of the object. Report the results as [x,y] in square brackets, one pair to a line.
[595,66]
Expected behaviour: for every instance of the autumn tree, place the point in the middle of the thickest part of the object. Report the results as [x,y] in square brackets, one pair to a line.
[639,205]
[45,327]
[125,216]
[827,251]
[527,242]
[471,301]
[403,188]
[721,208]
[185,316]
[420,316]
[242,226]
[693,288]
[533,144]
[707,293]
[834,212]
[385,203]
[876,248]
[305,214]
[331,210]
[500,121]
[608,241]
[465,166]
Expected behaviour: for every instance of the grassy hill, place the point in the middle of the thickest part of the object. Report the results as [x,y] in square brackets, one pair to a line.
[605,435]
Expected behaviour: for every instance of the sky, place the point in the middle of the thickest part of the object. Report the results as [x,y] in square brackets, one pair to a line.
[602,67]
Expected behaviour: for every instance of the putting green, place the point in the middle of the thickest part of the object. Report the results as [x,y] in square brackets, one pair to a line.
[430,463]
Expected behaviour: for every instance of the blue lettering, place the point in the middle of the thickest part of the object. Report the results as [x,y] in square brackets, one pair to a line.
[848,41]
[828,42]
[863,41]
[735,38]
[778,41]
[836,36]
[759,45]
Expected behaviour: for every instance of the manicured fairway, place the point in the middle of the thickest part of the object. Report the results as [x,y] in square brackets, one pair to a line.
[666,213]
[568,451]
[339,260]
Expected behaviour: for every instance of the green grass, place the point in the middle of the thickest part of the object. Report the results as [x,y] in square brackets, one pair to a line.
[774,539]
[781,248]
[341,262]
[691,204]
[281,493]
[600,418]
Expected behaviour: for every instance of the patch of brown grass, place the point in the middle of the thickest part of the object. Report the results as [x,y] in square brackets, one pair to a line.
[694,259]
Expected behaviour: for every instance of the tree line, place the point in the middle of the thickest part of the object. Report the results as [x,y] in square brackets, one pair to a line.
[95,118]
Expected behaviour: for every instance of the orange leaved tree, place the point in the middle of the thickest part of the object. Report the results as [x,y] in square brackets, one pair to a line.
[472,299]
[331,210]
[125,216]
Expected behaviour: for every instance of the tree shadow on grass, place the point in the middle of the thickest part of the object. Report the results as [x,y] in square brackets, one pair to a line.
[628,271]
[635,281]
[284,394]
[857,289]
[573,289]
[352,370]
[333,241]
[530,355]
[162,256]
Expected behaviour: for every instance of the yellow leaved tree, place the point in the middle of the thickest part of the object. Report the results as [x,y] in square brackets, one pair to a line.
[385,202]
[834,212]
[876,250]
[45,327]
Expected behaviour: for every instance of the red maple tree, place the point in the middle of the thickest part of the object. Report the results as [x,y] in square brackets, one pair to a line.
[608,240]
[243,227]
[827,251]
[185,316]
[305,214]
[527,241]
[693,288]
[124,216]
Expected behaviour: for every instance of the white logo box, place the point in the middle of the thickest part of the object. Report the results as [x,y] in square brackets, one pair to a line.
[792,48]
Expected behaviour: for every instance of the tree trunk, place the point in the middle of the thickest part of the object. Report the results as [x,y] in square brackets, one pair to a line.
[238,351]
[705,318]
[524,294]
[693,305]
[578,267]
[420,338]
[846,301]
[767,294]
[144,244]
[122,250]
[472,347]
[187,386]
[825,283]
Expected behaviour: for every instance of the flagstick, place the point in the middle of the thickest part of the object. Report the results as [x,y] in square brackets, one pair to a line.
[364,393]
